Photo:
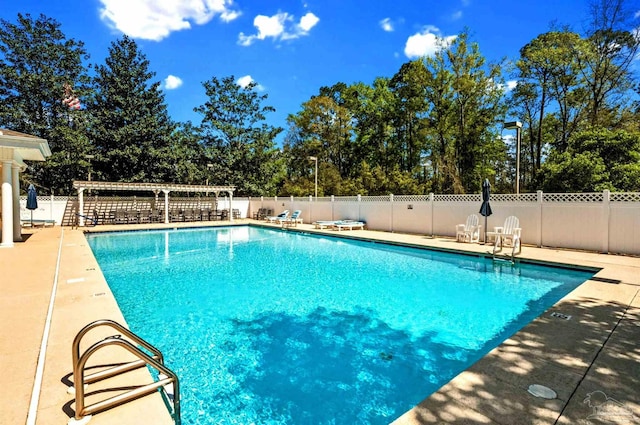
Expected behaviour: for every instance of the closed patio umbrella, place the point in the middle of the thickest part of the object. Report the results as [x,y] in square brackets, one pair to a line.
[485,208]
[32,200]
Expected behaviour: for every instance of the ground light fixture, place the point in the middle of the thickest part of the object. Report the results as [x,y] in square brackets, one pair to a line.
[516,125]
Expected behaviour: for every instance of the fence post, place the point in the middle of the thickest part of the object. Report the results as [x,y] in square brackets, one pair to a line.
[431,201]
[540,197]
[391,204]
[606,205]
[333,198]
[359,211]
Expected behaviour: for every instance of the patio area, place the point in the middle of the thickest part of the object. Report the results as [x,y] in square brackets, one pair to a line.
[591,360]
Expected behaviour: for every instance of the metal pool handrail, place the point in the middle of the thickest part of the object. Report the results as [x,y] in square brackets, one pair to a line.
[83,413]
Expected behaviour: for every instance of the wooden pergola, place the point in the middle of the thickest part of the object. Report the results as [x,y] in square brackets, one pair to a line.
[156,188]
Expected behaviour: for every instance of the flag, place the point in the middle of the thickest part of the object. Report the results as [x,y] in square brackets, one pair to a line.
[70,99]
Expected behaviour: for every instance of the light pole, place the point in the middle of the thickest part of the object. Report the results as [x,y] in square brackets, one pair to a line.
[517,125]
[315,158]
[209,167]
[89,158]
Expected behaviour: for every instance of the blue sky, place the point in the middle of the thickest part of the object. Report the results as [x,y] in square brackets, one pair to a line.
[292,48]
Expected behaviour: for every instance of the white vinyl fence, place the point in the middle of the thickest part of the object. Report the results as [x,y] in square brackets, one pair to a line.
[602,222]
[49,208]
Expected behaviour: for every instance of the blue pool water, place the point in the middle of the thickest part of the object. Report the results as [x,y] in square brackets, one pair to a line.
[271,327]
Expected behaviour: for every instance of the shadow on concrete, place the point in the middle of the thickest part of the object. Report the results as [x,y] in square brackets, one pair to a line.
[574,357]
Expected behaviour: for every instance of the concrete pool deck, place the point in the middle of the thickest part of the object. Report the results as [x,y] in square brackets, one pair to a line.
[591,360]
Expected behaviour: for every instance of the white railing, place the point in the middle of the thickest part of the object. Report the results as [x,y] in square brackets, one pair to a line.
[601,222]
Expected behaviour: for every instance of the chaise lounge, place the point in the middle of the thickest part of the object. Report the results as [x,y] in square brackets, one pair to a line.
[278,218]
[348,225]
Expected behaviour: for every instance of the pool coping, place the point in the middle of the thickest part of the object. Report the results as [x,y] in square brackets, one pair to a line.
[492,390]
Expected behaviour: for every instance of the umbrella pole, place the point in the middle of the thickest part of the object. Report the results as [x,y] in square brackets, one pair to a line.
[485,229]
[32,218]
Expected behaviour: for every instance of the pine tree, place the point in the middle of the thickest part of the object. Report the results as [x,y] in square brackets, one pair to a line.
[39,67]
[131,128]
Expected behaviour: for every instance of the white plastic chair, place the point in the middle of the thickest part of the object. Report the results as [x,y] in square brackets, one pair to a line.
[470,231]
[508,234]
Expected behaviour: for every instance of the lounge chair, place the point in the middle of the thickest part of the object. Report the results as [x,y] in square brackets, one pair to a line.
[278,218]
[349,225]
[322,224]
[470,231]
[293,220]
[508,234]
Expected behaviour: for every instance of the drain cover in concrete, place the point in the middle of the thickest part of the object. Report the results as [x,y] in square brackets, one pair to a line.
[542,392]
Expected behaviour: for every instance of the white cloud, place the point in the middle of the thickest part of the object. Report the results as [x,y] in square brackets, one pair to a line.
[386,25]
[511,84]
[172,82]
[156,19]
[426,43]
[307,22]
[456,15]
[280,26]
[246,80]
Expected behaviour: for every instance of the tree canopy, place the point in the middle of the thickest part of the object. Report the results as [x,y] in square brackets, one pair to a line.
[436,125]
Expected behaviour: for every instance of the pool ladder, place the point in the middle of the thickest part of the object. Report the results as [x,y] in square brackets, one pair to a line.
[167,381]
[504,258]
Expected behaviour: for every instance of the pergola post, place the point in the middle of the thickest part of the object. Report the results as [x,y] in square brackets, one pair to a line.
[7,207]
[230,203]
[17,228]
[166,206]
[81,207]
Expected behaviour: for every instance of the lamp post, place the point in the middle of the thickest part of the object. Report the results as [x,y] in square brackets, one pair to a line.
[517,125]
[89,158]
[209,167]
[315,158]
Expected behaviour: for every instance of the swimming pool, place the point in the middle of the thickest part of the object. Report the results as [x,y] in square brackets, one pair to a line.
[264,326]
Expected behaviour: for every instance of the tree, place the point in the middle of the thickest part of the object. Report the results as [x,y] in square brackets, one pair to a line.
[238,143]
[549,67]
[465,104]
[614,44]
[409,115]
[39,66]
[325,128]
[185,157]
[595,160]
[130,125]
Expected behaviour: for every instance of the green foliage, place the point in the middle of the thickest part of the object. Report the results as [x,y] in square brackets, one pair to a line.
[239,145]
[130,126]
[582,172]
[432,126]
[595,160]
[37,61]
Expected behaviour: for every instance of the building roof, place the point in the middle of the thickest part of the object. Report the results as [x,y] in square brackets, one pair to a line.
[24,147]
